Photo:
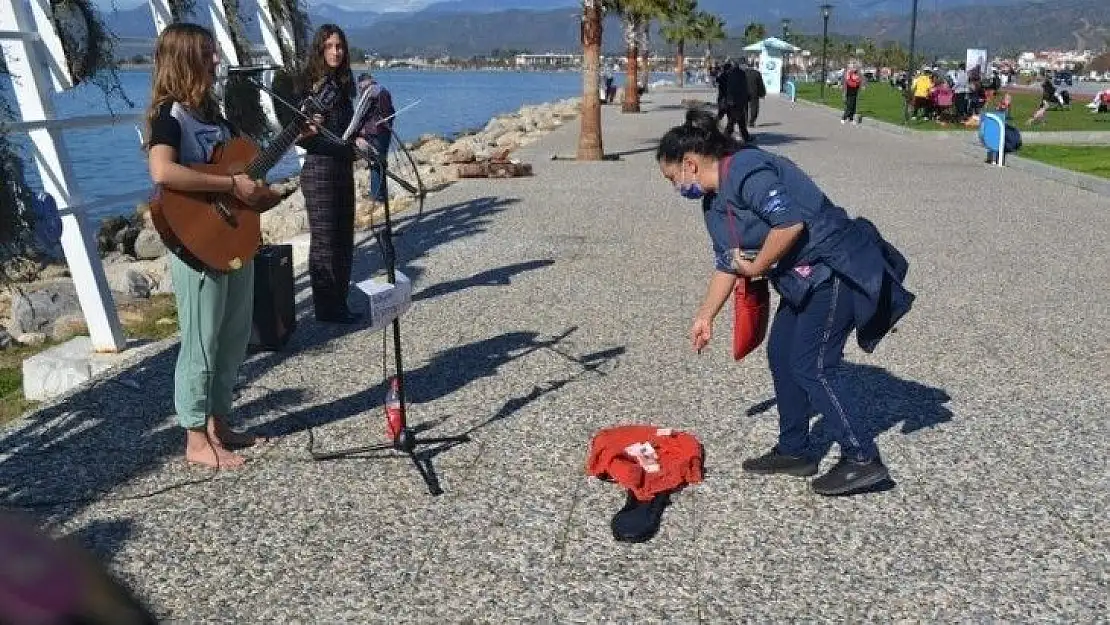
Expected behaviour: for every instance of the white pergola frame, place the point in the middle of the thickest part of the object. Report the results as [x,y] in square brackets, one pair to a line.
[35,60]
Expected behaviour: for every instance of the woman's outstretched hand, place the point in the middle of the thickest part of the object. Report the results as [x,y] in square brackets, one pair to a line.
[700,333]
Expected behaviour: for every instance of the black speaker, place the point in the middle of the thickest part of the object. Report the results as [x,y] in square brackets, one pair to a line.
[275,316]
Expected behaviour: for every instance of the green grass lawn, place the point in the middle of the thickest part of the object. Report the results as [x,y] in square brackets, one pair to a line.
[883,102]
[1088,159]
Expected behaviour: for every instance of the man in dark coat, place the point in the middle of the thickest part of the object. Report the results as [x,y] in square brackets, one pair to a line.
[756,91]
[736,101]
[720,78]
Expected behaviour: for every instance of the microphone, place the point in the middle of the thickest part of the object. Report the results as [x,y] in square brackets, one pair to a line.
[223,72]
[251,69]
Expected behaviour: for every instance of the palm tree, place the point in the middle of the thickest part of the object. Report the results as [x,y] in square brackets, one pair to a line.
[589,133]
[636,14]
[710,29]
[754,32]
[678,28]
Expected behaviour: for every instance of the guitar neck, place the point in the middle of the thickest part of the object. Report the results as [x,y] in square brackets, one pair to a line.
[273,152]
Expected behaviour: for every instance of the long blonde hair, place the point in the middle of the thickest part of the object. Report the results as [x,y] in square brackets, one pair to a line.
[182,72]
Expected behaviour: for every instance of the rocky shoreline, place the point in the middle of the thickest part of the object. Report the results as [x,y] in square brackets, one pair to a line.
[42,304]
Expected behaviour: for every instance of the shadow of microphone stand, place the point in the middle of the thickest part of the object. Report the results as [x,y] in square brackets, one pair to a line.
[405,439]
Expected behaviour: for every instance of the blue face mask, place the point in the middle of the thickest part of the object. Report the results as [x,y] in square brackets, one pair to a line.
[691,190]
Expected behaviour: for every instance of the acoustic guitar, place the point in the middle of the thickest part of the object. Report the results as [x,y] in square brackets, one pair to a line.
[217,230]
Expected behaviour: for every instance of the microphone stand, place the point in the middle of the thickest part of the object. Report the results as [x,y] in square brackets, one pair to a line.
[406,440]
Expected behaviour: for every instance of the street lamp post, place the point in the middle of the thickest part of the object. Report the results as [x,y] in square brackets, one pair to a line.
[786,29]
[826,9]
[909,69]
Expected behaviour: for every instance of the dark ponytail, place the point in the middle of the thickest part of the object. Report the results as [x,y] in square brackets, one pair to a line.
[699,135]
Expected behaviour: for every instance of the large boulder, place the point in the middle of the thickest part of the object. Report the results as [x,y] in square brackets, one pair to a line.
[37,308]
[148,245]
[286,220]
[431,151]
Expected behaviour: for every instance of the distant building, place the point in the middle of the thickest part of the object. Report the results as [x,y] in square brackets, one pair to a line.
[548,60]
[1053,59]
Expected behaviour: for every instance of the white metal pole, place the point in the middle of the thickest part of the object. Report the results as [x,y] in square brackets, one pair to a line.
[44,26]
[222,31]
[163,16]
[30,84]
[273,35]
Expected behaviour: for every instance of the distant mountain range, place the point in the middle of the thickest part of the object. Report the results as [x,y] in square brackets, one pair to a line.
[1068,24]
[475,27]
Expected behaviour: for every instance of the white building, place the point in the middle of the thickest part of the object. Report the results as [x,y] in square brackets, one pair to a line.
[548,60]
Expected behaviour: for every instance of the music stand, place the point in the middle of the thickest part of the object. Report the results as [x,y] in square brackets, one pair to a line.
[406,440]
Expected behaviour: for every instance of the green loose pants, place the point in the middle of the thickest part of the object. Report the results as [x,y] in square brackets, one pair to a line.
[214,313]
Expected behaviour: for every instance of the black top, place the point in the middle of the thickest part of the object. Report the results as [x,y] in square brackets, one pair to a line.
[335,120]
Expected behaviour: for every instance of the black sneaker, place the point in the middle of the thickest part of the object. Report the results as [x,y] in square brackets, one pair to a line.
[773,462]
[851,476]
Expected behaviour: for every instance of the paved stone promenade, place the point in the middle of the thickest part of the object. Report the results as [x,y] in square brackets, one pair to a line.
[548,307]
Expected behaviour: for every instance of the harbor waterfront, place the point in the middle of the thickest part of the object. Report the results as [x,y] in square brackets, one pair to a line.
[108,161]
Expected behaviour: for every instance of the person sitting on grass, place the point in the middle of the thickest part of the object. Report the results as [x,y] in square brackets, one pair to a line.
[1101,102]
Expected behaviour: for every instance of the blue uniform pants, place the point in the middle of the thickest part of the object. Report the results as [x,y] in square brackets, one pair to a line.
[378,187]
[805,349]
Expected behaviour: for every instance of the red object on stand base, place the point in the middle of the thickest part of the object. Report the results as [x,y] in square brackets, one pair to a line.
[394,411]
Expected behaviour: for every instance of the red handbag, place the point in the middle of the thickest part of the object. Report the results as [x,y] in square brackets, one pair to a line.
[751,304]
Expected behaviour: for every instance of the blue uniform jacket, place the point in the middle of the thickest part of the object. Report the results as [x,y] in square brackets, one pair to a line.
[764,191]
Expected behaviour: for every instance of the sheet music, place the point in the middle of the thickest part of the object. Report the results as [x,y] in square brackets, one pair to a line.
[362,106]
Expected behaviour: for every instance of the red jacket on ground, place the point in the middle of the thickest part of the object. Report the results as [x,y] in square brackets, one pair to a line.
[646,459]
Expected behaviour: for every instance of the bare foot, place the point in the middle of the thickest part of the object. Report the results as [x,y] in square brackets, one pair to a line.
[218,428]
[209,452]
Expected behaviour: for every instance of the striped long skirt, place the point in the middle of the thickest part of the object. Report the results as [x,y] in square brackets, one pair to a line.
[328,186]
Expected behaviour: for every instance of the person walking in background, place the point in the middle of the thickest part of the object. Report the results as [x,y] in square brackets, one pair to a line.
[327,180]
[376,131]
[721,80]
[961,86]
[756,91]
[853,82]
[834,273]
[736,102]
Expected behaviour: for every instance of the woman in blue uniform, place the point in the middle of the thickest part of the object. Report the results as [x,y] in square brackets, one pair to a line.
[833,273]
